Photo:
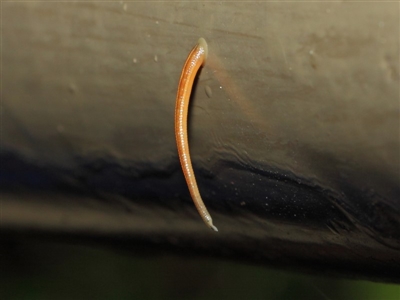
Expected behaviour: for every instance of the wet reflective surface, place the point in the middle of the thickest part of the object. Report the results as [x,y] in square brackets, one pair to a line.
[265,218]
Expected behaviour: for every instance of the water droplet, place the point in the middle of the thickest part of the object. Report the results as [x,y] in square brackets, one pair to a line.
[156,58]
[125,7]
[134,60]
[208,91]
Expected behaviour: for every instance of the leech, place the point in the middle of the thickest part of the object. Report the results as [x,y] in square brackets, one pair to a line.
[193,63]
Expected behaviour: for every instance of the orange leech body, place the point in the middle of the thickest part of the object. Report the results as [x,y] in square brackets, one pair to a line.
[193,63]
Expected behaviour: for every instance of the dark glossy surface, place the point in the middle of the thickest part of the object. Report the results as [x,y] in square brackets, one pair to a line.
[282,221]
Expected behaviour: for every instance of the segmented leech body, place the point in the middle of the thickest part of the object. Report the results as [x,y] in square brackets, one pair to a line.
[194,61]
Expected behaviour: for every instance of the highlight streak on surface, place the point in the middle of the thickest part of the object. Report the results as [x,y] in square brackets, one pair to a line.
[193,63]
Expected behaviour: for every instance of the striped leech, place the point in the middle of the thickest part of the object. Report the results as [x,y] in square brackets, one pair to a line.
[195,60]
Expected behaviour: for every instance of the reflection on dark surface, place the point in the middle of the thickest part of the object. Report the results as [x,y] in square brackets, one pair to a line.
[266,217]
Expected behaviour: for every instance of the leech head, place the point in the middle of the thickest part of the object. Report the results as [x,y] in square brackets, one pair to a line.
[203,44]
[213,227]
[209,222]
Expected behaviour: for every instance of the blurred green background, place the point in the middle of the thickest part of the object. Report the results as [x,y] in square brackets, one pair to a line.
[49,270]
